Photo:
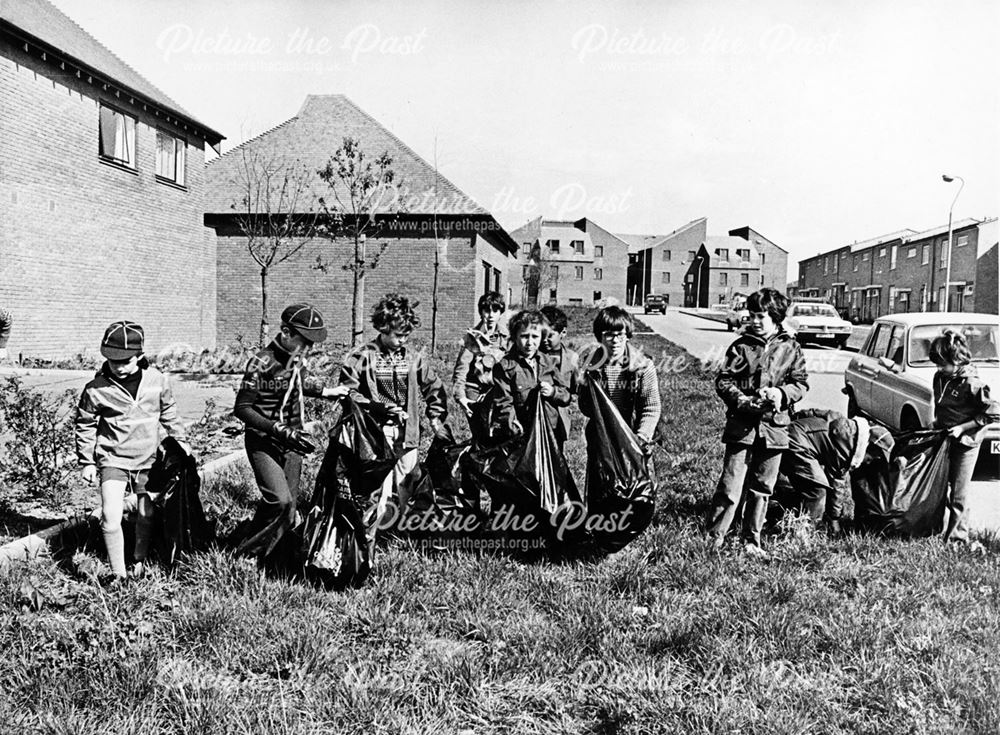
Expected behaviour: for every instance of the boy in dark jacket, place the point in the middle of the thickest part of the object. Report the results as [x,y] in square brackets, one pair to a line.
[567,360]
[523,371]
[270,402]
[763,376]
[472,380]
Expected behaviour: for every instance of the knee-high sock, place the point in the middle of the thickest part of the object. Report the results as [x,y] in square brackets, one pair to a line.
[143,528]
[114,540]
[112,499]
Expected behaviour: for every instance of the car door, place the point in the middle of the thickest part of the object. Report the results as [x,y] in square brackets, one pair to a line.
[888,391]
[866,369]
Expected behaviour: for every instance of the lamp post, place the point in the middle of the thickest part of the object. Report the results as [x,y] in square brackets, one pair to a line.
[947,273]
[697,282]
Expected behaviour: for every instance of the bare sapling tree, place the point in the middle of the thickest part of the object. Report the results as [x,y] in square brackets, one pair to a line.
[361,191]
[275,214]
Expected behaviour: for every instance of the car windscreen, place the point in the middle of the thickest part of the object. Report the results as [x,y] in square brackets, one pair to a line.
[982,340]
[815,310]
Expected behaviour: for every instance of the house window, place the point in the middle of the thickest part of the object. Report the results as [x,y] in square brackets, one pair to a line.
[925,255]
[690,256]
[552,295]
[881,252]
[826,266]
[117,137]
[836,262]
[597,296]
[855,263]
[598,251]
[892,258]
[665,277]
[723,279]
[762,280]
[526,249]
[598,274]
[576,302]
[577,246]
[744,279]
[864,256]
[666,255]
[723,253]
[525,272]
[762,258]
[911,253]
[491,278]
[943,261]
[170,157]
[553,246]
[962,241]
[554,272]
[578,271]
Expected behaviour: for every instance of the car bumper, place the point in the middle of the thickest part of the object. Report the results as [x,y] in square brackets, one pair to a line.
[823,334]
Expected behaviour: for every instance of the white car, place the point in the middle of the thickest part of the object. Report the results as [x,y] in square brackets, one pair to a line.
[891,378]
[817,322]
[737,316]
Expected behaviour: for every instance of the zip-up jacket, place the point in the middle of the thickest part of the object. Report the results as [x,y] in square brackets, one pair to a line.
[273,389]
[358,374]
[473,375]
[640,406]
[568,365]
[515,380]
[751,363]
[113,429]
[963,397]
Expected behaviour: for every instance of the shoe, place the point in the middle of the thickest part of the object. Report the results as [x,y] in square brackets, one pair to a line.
[754,551]
[137,571]
[976,547]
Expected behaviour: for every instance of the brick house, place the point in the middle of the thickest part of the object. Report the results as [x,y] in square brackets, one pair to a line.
[905,271]
[573,263]
[692,268]
[473,250]
[102,194]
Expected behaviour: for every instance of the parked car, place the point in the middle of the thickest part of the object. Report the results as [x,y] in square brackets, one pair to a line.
[655,302]
[891,378]
[817,322]
[737,316]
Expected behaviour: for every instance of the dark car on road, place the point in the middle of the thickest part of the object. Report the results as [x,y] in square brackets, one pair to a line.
[655,302]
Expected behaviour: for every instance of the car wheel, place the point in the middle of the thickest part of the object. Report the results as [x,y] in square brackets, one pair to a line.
[852,406]
[909,421]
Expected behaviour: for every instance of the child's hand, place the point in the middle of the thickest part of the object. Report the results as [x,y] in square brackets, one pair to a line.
[515,428]
[336,393]
[772,395]
[955,432]
[89,474]
[397,414]
[546,389]
[466,406]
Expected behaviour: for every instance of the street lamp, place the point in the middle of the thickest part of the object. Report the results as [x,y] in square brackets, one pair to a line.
[697,280]
[947,273]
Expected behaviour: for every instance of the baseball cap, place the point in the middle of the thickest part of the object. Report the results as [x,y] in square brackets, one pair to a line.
[306,320]
[122,340]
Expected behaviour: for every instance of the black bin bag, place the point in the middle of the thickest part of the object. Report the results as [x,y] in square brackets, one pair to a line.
[532,491]
[180,526]
[621,494]
[905,497]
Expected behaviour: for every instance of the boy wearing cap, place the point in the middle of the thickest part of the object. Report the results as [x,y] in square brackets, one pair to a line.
[270,402]
[118,420]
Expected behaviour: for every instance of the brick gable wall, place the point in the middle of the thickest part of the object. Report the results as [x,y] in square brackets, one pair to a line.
[83,243]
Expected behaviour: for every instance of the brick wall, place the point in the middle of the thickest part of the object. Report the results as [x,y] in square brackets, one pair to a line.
[406,266]
[985,299]
[689,239]
[83,243]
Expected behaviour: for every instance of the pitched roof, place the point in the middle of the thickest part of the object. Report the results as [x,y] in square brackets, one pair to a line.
[940,230]
[309,139]
[898,234]
[45,24]
[642,242]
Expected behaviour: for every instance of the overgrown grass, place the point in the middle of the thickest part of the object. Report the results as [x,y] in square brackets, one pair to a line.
[851,636]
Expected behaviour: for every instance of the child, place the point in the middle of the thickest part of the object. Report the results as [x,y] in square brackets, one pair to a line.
[472,378]
[521,372]
[763,376]
[567,360]
[118,421]
[384,371]
[626,374]
[962,406]
[270,402]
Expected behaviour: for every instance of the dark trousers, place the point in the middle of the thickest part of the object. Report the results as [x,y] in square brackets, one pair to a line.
[804,486]
[961,463]
[762,464]
[277,473]
[479,423]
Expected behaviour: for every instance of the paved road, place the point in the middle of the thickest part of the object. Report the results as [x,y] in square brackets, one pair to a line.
[708,340]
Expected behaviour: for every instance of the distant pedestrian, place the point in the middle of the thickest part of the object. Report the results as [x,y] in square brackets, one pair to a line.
[271,404]
[472,379]
[567,360]
[118,420]
[6,324]
[762,377]
[962,406]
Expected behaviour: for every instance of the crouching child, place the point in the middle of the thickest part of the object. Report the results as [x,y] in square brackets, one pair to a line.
[762,377]
[118,421]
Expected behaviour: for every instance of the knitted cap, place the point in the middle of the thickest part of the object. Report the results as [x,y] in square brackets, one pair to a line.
[306,320]
[122,340]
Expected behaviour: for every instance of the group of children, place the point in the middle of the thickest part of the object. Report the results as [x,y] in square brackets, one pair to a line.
[496,380]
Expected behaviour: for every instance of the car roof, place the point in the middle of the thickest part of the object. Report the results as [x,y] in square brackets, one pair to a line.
[945,318]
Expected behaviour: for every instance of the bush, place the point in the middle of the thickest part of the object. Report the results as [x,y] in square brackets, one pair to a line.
[38,435]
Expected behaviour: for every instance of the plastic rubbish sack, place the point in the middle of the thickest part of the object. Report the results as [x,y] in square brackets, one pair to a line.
[621,494]
[905,497]
[529,474]
[335,549]
[181,525]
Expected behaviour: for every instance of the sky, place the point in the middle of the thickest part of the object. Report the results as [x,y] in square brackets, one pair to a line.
[818,124]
